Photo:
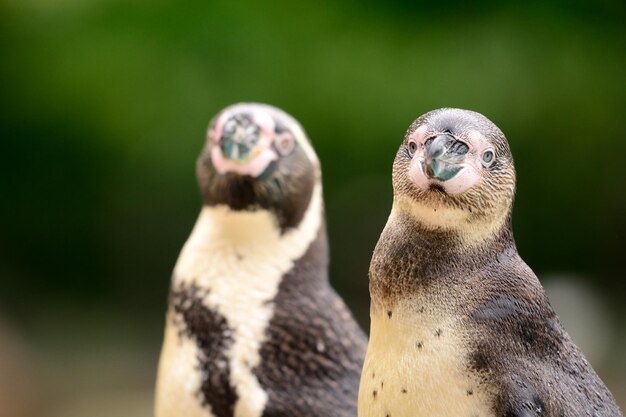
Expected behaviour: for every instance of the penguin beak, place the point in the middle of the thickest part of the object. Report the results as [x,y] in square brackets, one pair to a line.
[242,148]
[238,139]
[443,157]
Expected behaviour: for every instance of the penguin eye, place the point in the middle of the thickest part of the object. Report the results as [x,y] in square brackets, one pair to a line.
[285,144]
[488,158]
[412,148]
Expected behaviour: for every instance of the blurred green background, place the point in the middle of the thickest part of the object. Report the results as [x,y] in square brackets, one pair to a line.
[104,109]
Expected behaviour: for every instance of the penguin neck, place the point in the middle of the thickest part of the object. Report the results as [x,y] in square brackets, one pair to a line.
[248,238]
[411,257]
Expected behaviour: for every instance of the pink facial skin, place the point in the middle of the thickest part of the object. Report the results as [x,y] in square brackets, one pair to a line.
[470,172]
[262,155]
[252,167]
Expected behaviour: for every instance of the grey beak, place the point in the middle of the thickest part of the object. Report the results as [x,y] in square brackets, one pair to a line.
[239,138]
[442,157]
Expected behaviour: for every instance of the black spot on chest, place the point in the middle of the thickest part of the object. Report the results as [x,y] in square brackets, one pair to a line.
[210,331]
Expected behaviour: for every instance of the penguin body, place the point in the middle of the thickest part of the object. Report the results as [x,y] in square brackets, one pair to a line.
[253,327]
[460,325]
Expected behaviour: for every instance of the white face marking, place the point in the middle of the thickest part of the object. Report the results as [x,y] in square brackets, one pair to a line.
[240,257]
[415,366]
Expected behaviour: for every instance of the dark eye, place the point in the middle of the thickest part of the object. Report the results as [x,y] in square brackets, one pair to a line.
[412,148]
[488,157]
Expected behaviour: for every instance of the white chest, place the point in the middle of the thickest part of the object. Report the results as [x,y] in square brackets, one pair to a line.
[239,260]
[416,367]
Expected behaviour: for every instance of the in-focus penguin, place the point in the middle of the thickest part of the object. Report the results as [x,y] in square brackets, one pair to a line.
[253,327]
[460,325]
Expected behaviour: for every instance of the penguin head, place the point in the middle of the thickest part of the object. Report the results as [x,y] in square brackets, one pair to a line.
[257,157]
[454,169]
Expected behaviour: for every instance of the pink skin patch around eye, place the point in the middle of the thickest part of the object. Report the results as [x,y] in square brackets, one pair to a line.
[263,154]
[467,177]
[419,136]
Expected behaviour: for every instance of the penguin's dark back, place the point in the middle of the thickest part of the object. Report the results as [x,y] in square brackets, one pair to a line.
[520,347]
[312,358]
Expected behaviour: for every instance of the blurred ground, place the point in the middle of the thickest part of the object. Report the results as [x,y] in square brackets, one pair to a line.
[104,108]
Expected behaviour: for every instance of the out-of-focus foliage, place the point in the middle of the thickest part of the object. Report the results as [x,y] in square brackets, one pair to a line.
[105,105]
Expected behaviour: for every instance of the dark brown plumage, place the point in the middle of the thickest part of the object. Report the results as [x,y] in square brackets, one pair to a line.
[313,356]
[461,268]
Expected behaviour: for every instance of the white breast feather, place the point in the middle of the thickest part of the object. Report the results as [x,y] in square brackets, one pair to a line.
[415,366]
[240,257]
[448,218]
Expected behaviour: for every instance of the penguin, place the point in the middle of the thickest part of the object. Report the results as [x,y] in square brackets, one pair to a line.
[253,327]
[460,325]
